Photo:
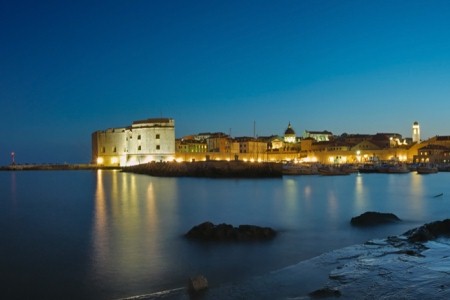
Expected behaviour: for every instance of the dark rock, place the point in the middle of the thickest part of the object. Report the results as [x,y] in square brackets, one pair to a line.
[207,231]
[197,284]
[374,218]
[429,231]
[325,293]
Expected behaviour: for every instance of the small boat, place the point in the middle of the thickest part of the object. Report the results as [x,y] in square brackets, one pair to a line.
[368,168]
[427,169]
[438,195]
[332,171]
[299,169]
[398,169]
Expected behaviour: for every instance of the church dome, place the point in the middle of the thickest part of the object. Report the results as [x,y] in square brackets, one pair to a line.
[289,130]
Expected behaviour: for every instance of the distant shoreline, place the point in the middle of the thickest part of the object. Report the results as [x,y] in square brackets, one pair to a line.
[55,167]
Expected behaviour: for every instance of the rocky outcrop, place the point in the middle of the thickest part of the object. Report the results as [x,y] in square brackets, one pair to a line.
[197,284]
[429,231]
[325,293]
[374,218]
[207,231]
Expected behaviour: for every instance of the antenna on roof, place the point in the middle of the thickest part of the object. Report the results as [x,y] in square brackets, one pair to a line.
[254,129]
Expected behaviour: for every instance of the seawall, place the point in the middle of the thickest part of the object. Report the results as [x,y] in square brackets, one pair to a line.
[214,169]
[53,167]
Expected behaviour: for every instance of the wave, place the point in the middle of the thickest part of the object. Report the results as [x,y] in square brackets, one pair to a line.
[166,294]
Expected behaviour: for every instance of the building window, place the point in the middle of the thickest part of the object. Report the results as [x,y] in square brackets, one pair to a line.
[158,147]
[103,150]
[139,137]
[114,149]
[157,136]
[139,148]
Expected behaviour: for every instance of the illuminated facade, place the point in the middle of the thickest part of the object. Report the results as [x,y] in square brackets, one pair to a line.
[142,142]
[289,135]
[416,132]
[319,136]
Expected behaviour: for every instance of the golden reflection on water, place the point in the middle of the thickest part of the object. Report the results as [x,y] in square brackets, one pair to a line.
[416,200]
[100,236]
[360,195]
[290,187]
[126,225]
[332,207]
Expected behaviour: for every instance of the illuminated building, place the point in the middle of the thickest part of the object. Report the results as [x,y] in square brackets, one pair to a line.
[319,136]
[144,141]
[289,135]
[416,132]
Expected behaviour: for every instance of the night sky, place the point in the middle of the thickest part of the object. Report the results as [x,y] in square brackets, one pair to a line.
[68,68]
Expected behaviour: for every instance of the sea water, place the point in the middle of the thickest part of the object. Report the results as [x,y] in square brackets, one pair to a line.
[110,235]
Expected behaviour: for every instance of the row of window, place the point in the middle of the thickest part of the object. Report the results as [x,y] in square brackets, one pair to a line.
[157,136]
[158,147]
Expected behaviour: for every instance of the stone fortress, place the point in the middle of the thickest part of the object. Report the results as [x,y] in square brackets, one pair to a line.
[153,140]
[142,142]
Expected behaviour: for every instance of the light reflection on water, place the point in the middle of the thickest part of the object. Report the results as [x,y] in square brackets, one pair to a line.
[135,243]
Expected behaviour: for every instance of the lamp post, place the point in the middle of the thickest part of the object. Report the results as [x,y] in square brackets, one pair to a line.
[13,159]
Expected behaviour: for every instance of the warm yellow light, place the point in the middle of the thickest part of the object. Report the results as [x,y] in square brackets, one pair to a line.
[114,160]
[99,160]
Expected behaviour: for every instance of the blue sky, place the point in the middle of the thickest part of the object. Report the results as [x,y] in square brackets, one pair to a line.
[68,68]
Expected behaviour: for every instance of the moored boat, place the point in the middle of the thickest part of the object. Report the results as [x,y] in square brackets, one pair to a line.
[368,168]
[427,169]
[299,169]
[398,169]
[332,171]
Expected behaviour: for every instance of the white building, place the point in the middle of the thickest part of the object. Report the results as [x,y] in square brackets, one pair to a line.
[416,132]
[142,142]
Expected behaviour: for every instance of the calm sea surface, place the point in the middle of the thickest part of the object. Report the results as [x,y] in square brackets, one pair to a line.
[108,235]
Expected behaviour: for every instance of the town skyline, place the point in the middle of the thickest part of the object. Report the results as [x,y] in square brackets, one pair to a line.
[68,69]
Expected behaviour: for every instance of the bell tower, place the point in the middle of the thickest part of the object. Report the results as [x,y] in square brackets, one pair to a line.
[416,132]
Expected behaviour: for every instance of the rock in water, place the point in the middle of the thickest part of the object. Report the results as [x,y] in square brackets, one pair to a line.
[374,218]
[207,231]
[429,231]
[197,284]
[325,293]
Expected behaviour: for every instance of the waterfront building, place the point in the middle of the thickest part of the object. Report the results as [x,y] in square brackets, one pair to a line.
[274,142]
[256,147]
[191,146]
[219,142]
[435,154]
[144,141]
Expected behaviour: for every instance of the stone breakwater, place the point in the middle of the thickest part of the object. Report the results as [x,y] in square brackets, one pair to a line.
[54,167]
[213,169]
